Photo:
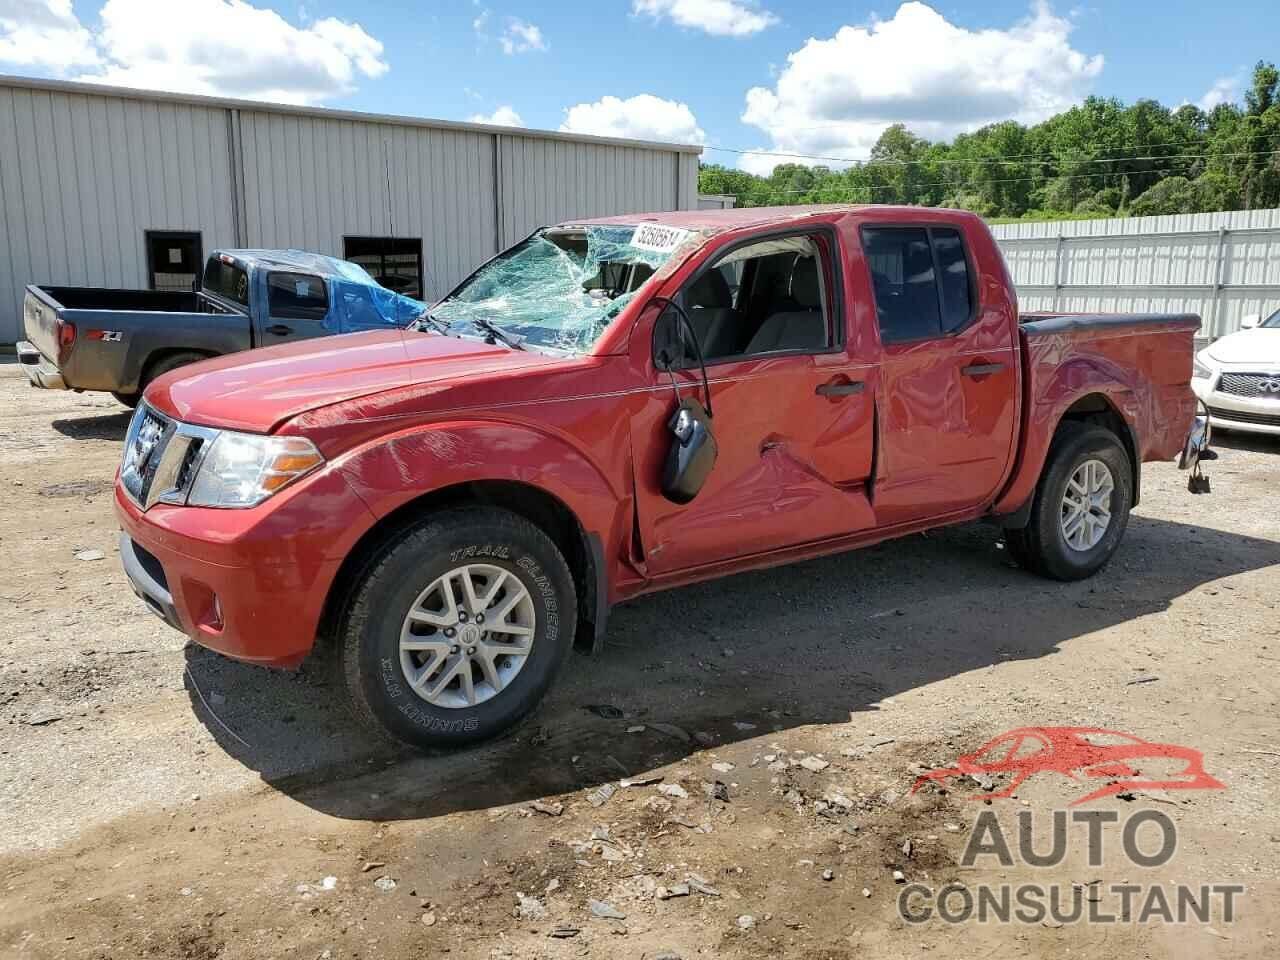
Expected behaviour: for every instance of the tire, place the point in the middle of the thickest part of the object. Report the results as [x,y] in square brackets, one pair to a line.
[489,543]
[130,400]
[1043,546]
[158,368]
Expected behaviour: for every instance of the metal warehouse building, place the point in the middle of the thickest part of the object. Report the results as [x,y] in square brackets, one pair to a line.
[101,186]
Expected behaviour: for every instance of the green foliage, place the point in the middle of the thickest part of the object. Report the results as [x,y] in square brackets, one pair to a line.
[1098,159]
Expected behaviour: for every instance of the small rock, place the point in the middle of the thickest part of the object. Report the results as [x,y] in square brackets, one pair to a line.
[671,730]
[385,884]
[599,797]
[983,780]
[647,781]
[814,764]
[720,791]
[428,919]
[704,739]
[743,725]
[828,874]
[674,790]
[564,932]
[866,891]
[552,886]
[722,766]
[667,955]
[638,728]
[899,877]
[746,922]
[605,911]
[907,848]
[90,555]
[952,827]
[530,908]
[372,865]
[550,809]
[676,890]
[700,885]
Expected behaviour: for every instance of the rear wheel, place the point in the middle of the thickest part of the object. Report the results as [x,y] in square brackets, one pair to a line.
[458,630]
[1081,505]
[130,400]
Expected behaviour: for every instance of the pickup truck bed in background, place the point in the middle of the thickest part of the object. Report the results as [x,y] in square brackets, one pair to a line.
[89,338]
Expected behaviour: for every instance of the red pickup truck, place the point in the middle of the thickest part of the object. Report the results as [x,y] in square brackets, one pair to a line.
[621,405]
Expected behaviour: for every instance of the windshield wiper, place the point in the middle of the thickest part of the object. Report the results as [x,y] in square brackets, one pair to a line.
[426,319]
[512,340]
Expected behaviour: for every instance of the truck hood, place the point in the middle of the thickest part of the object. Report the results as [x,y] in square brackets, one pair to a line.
[1260,346]
[259,390]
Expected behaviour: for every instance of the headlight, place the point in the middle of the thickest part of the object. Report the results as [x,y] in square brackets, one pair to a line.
[243,469]
[1201,370]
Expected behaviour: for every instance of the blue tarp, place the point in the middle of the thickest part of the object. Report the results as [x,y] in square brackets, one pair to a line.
[357,301]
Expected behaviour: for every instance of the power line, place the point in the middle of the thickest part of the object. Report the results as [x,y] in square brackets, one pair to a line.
[818,189]
[1015,158]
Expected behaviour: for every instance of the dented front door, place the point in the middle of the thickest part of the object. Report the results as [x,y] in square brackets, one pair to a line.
[795,436]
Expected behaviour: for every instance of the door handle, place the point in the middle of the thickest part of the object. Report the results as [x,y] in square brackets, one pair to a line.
[280,329]
[981,369]
[839,388]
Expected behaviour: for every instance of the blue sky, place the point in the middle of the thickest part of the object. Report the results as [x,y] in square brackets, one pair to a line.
[787,77]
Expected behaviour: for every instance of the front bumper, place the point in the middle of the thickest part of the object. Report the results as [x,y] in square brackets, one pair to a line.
[40,370]
[1232,412]
[249,584]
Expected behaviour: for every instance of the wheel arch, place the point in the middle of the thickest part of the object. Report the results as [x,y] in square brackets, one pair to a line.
[1097,409]
[583,550]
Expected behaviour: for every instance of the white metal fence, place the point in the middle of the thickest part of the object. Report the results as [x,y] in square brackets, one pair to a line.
[1222,266]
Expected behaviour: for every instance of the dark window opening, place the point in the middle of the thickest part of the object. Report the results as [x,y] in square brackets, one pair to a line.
[297,296]
[921,281]
[226,280]
[173,260]
[394,263]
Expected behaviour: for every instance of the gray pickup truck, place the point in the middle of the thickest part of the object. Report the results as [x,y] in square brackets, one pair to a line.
[88,338]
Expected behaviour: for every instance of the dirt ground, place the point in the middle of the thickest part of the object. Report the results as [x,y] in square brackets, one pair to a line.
[160,801]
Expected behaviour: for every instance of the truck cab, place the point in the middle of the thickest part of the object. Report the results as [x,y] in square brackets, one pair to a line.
[617,406]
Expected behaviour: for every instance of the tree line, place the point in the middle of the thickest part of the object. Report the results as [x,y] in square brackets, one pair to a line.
[1098,159]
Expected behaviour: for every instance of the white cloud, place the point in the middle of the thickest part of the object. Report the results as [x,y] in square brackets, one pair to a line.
[231,48]
[642,117]
[722,18]
[1224,90]
[502,117]
[519,36]
[836,96]
[44,33]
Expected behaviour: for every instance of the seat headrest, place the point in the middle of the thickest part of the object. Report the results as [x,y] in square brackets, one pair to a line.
[710,290]
[805,289]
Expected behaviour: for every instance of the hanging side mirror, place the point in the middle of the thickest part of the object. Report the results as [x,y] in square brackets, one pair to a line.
[693,450]
[692,453]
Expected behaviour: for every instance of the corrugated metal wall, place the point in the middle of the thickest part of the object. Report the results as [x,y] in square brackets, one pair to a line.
[85,171]
[1222,266]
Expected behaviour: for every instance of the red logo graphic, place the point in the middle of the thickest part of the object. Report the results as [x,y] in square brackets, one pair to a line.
[1079,753]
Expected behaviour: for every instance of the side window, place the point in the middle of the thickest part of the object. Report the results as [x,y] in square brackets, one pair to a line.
[765,297]
[298,296]
[953,271]
[920,279]
[903,281]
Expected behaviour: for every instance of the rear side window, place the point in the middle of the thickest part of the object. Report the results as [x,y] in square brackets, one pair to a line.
[298,296]
[920,279]
[227,281]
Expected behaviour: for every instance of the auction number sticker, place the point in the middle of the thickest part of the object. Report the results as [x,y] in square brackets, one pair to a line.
[658,239]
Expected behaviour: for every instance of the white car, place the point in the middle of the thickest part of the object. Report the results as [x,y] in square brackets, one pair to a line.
[1238,377]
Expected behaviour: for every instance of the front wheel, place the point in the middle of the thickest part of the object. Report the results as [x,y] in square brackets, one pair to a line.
[458,630]
[1081,505]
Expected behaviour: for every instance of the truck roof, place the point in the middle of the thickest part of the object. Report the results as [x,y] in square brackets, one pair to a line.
[294,260]
[717,221]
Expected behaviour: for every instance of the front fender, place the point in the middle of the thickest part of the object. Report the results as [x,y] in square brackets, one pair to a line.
[396,469]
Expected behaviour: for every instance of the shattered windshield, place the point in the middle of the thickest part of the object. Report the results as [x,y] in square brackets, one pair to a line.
[563,286]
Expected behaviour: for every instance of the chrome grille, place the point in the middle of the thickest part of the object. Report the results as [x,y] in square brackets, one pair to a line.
[161,457]
[1265,386]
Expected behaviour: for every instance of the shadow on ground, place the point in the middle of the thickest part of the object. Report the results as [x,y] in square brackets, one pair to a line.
[811,643]
[110,426]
